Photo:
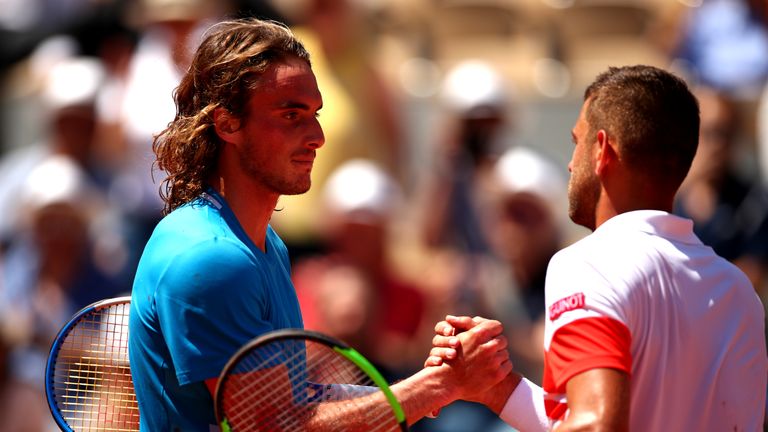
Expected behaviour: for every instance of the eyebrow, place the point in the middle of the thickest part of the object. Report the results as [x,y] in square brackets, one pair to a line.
[297,105]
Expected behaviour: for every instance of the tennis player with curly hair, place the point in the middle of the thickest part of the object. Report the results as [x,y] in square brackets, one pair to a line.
[214,274]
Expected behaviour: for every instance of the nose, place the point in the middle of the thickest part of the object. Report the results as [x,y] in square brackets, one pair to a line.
[316,135]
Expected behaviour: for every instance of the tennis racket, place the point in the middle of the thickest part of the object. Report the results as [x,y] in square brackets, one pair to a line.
[87,378]
[298,380]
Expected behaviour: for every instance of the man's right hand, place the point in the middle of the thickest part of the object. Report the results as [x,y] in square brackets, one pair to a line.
[458,335]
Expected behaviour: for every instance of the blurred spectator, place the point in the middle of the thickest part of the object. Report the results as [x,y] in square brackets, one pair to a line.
[62,247]
[525,228]
[456,191]
[723,44]
[337,299]
[69,87]
[457,202]
[525,223]
[762,135]
[68,90]
[730,210]
[138,104]
[477,106]
[35,293]
[380,313]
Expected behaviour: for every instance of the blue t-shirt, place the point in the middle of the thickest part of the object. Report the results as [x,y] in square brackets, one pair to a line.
[201,291]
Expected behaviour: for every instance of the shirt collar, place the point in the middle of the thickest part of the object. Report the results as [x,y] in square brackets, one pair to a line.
[654,222]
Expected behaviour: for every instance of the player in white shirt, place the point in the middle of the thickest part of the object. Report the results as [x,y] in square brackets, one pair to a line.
[647,328]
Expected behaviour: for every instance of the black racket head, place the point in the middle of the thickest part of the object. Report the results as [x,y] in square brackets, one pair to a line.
[294,380]
[88,381]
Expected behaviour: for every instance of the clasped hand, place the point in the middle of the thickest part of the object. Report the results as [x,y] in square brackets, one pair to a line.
[475,351]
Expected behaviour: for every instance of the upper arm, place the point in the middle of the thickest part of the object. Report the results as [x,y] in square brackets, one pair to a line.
[208,305]
[211,384]
[598,400]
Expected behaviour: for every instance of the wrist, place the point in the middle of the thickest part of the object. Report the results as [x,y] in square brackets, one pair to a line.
[497,396]
[446,389]
[425,392]
[524,409]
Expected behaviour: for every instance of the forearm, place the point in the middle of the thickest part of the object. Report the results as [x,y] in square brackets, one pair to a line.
[586,422]
[367,412]
[423,393]
[598,400]
[419,395]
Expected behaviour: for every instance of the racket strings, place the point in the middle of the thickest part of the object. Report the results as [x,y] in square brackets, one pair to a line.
[244,397]
[316,385]
[92,382]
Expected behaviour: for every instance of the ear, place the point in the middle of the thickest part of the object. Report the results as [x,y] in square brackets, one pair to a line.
[606,154]
[227,126]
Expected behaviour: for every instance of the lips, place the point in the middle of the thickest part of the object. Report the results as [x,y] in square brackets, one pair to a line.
[304,163]
[304,159]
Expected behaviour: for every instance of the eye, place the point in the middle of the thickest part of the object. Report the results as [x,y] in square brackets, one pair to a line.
[291,115]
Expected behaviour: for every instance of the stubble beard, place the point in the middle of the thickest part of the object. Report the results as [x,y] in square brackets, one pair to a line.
[279,182]
[283,185]
[583,196]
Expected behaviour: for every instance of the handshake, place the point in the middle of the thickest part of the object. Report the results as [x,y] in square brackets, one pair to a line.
[469,361]
[469,356]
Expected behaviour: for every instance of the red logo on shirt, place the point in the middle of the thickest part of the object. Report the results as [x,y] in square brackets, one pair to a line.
[573,301]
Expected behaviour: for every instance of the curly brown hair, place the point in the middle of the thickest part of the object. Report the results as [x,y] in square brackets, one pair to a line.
[226,67]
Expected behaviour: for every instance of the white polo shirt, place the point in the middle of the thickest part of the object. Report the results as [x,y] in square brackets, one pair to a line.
[642,294]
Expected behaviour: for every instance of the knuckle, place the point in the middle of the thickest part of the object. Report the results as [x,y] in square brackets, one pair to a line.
[440,326]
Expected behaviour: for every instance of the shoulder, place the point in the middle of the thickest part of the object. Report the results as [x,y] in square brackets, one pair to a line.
[596,275]
[178,265]
[610,254]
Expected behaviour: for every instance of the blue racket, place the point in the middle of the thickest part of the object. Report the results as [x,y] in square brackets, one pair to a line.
[87,378]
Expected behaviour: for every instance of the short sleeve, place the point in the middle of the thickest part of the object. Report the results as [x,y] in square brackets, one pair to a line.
[575,289]
[586,319]
[210,303]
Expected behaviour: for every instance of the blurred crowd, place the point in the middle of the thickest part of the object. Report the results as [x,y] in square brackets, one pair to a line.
[442,187]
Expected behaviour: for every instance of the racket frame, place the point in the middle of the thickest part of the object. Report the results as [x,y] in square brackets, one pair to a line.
[58,342]
[338,346]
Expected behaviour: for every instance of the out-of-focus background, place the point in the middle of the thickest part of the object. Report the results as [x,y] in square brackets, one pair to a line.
[441,187]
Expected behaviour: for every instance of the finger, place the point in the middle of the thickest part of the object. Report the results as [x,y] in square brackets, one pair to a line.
[446,341]
[499,343]
[432,361]
[461,323]
[478,319]
[505,368]
[445,329]
[487,329]
[443,353]
[480,334]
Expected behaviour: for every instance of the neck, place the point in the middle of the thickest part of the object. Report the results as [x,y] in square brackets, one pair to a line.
[251,204]
[624,200]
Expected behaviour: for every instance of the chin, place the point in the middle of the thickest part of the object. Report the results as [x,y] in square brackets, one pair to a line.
[582,220]
[296,189]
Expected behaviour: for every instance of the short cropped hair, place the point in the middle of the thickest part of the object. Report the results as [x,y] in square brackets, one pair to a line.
[226,67]
[652,115]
